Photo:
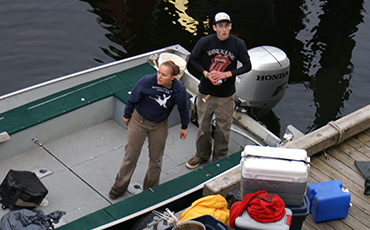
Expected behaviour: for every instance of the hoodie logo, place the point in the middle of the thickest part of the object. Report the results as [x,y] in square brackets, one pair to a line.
[160,101]
[219,63]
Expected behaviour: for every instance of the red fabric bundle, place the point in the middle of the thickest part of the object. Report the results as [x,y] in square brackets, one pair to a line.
[261,206]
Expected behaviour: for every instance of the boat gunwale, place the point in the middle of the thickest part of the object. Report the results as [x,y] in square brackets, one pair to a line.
[222,163]
[20,97]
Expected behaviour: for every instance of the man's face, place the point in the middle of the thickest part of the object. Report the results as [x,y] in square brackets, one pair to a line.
[223,30]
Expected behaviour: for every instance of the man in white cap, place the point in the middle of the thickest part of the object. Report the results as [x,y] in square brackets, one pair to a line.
[216,56]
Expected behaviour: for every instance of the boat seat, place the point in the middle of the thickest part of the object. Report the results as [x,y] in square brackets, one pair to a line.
[118,85]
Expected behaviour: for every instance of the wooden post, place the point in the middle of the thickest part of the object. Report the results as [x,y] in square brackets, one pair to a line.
[330,134]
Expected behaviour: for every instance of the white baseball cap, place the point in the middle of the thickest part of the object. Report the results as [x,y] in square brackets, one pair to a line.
[222,17]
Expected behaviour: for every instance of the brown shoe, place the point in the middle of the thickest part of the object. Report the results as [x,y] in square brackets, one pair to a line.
[114,195]
[193,163]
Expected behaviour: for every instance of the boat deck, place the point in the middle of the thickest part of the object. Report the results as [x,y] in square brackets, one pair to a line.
[338,164]
[83,167]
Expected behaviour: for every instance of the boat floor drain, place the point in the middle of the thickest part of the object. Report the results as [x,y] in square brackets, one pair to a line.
[134,188]
[42,172]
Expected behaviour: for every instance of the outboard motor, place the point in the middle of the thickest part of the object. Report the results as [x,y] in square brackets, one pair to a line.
[259,90]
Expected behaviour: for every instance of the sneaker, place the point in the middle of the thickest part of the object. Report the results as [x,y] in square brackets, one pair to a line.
[193,163]
[114,195]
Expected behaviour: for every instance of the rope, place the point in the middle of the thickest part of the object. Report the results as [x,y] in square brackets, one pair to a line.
[340,131]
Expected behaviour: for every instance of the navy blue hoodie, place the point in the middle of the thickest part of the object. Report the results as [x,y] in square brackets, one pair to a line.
[154,102]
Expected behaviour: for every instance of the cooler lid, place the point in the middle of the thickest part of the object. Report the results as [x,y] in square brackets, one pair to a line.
[260,168]
[276,153]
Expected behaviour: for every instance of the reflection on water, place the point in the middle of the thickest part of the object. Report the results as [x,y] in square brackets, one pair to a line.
[326,42]
[316,35]
[137,27]
[113,16]
[328,45]
[186,21]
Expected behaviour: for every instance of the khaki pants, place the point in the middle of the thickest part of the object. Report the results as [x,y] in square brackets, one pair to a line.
[223,108]
[138,130]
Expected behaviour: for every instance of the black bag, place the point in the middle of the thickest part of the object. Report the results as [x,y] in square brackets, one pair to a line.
[21,189]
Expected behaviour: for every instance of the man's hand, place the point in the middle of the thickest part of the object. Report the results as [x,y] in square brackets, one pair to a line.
[216,76]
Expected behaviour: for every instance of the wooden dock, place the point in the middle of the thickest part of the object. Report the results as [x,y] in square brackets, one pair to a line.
[338,164]
[333,149]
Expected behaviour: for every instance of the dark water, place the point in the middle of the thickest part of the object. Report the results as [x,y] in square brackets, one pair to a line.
[327,43]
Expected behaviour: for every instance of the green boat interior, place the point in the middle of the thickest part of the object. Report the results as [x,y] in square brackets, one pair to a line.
[76,138]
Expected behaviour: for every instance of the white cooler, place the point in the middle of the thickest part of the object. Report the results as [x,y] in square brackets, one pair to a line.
[281,171]
[245,222]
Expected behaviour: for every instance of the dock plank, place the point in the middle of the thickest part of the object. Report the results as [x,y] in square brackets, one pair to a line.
[355,215]
[367,132]
[353,148]
[338,164]
[364,147]
[348,179]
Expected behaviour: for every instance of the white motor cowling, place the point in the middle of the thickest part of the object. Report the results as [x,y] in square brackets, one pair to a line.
[263,87]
